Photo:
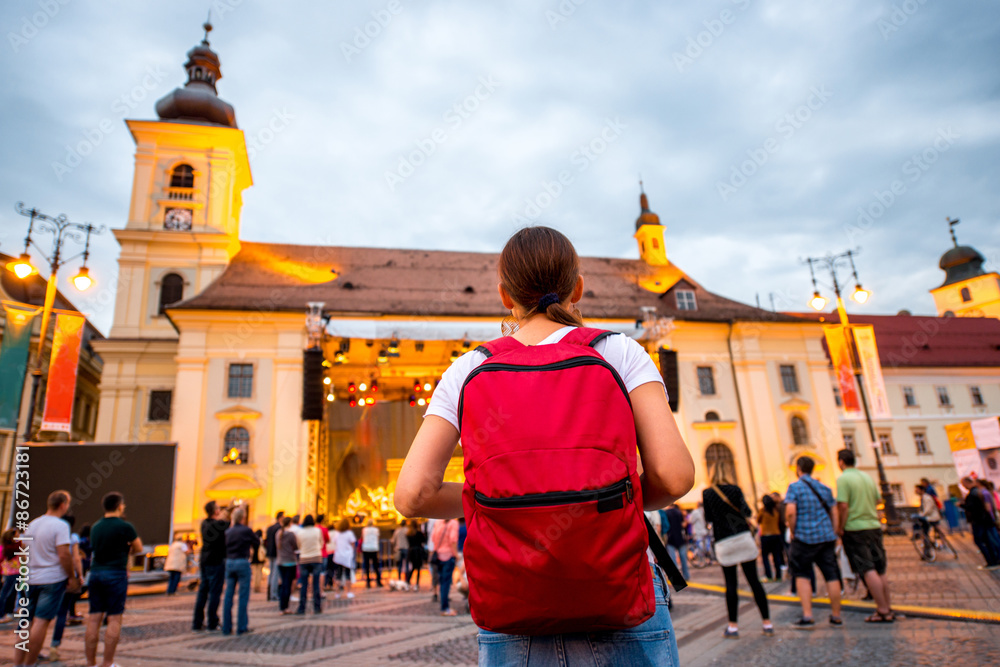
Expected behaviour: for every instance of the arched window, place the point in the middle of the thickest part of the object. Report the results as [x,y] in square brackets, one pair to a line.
[719,454]
[182,177]
[171,290]
[800,434]
[966,296]
[711,416]
[237,446]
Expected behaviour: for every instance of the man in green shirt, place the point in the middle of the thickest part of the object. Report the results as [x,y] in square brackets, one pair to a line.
[113,540]
[860,531]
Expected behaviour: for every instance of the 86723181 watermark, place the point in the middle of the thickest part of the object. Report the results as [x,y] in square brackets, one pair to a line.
[20,515]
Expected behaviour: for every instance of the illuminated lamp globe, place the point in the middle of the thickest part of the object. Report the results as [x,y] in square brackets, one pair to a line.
[21,266]
[861,295]
[427,386]
[421,401]
[82,281]
[817,301]
[327,380]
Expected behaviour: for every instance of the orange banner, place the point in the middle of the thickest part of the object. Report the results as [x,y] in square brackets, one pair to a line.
[61,387]
[840,357]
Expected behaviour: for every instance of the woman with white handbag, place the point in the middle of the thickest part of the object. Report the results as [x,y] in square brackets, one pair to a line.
[726,509]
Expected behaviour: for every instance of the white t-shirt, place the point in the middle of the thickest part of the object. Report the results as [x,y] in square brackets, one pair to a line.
[343,548]
[625,355]
[369,538]
[310,539]
[48,533]
[697,520]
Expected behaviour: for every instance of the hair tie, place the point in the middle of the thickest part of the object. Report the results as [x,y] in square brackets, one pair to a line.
[548,300]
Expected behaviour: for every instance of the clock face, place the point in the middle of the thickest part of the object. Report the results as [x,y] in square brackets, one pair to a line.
[178,219]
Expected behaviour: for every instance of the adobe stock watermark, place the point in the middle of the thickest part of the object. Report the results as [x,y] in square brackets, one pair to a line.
[581,159]
[32,24]
[364,35]
[453,118]
[898,16]
[785,127]
[94,137]
[913,168]
[563,11]
[705,39]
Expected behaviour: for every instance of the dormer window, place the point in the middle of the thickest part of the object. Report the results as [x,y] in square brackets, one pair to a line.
[685,300]
[966,295]
[182,176]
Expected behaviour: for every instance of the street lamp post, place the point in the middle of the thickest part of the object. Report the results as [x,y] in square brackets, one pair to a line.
[61,229]
[860,295]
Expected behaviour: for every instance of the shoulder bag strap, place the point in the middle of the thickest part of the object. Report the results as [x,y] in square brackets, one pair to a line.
[829,510]
[726,499]
[663,558]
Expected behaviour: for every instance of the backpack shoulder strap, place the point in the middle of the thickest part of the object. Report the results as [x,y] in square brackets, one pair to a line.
[585,336]
[663,558]
[829,509]
[499,346]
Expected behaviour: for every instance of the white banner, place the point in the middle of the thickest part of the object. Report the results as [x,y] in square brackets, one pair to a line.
[986,432]
[871,368]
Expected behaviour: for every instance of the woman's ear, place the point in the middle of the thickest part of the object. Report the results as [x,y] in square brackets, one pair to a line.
[577,291]
[508,303]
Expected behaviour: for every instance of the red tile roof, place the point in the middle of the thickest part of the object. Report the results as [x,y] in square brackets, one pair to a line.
[435,283]
[929,342]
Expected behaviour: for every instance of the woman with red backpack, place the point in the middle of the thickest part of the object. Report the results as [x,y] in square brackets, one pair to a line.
[567,436]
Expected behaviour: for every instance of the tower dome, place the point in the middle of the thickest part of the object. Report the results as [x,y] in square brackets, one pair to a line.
[646,217]
[960,262]
[198,101]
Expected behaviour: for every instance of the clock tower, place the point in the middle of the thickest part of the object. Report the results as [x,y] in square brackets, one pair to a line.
[968,289]
[191,168]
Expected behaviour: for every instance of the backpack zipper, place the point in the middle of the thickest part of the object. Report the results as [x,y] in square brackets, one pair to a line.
[554,366]
[557,497]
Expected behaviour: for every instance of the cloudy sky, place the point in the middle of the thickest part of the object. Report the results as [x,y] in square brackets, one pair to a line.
[765,130]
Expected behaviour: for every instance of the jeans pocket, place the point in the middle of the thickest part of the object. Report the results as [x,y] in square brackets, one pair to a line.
[500,650]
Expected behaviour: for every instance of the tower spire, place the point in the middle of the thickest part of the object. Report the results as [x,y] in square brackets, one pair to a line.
[207,25]
[951,229]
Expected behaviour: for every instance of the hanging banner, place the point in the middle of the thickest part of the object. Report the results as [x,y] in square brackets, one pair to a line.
[871,368]
[14,360]
[968,461]
[61,387]
[840,357]
[986,432]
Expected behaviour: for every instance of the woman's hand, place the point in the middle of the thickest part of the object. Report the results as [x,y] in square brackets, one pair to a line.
[420,489]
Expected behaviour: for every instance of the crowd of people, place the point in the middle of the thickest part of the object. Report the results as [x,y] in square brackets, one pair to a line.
[812,528]
[60,564]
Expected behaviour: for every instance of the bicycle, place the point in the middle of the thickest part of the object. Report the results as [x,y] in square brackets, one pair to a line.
[700,553]
[927,547]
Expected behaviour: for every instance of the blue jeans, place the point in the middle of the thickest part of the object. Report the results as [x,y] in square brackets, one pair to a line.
[650,643]
[987,538]
[673,551]
[7,596]
[237,574]
[69,599]
[447,570]
[45,600]
[273,579]
[172,582]
[305,571]
[209,592]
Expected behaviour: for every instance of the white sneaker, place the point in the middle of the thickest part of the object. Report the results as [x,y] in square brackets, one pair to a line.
[350,596]
[336,596]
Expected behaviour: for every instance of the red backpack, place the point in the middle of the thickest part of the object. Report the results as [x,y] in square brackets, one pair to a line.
[556,533]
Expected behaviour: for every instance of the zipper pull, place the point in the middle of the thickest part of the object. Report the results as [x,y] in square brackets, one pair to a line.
[628,489]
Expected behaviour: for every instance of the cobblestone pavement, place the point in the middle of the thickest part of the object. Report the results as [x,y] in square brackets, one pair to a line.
[381,627]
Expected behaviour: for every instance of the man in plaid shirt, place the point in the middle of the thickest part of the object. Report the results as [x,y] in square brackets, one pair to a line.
[810,514]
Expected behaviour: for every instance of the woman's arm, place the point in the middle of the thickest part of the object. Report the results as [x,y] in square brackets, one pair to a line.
[667,467]
[421,490]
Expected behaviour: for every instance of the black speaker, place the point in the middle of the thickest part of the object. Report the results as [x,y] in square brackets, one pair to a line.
[312,384]
[668,369]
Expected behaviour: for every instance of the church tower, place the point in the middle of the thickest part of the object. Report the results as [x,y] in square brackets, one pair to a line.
[649,234]
[191,168]
[968,290]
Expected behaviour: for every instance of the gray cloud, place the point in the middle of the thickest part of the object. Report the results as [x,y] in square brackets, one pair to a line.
[896,79]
